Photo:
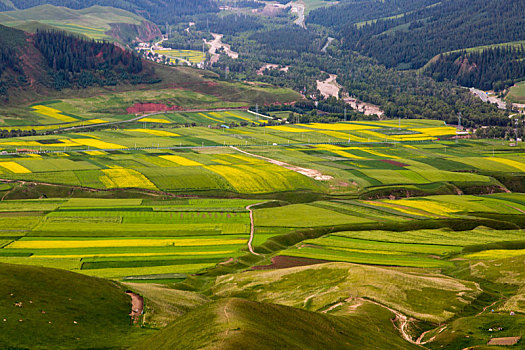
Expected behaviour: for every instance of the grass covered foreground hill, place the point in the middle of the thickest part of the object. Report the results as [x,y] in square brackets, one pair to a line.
[50,308]
[242,324]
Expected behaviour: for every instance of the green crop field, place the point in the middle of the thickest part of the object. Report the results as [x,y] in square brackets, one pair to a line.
[125,237]
[352,221]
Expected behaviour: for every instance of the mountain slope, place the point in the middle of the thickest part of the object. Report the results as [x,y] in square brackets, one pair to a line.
[50,309]
[242,324]
[47,61]
[411,39]
[158,11]
[96,22]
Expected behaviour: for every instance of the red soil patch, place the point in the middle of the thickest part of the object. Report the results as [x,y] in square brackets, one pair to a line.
[283,262]
[150,107]
[393,162]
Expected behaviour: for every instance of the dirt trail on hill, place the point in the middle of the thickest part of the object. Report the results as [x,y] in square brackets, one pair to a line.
[315,174]
[252,228]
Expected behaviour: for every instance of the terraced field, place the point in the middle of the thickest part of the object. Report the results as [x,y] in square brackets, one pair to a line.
[121,238]
[351,219]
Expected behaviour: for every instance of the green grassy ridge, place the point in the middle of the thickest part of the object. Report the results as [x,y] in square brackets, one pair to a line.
[241,324]
[52,301]
[422,294]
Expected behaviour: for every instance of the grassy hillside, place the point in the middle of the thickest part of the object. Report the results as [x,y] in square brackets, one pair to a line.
[96,22]
[318,287]
[51,309]
[241,324]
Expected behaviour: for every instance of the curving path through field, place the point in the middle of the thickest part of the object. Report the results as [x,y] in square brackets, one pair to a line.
[252,228]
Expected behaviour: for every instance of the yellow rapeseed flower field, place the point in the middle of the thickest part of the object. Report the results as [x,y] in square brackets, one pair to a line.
[379,154]
[97,144]
[241,117]
[496,254]
[210,118]
[95,153]
[155,120]
[181,160]
[347,154]
[155,132]
[437,131]
[336,134]
[125,178]
[96,121]
[515,164]
[118,243]
[401,209]
[89,255]
[53,113]
[426,205]
[338,127]
[15,167]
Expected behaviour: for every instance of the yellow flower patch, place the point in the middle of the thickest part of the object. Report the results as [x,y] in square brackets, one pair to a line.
[509,162]
[97,144]
[95,153]
[338,126]
[347,155]
[155,132]
[125,178]
[118,243]
[426,205]
[78,256]
[241,117]
[53,113]
[401,209]
[336,134]
[210,118]
[181,160]
[155,120]
[496,254]
[379,154]
[438,131]
[287,128]
[15,167]
[97,121]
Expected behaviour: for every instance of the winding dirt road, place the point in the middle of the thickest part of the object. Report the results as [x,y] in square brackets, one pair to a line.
[252,228]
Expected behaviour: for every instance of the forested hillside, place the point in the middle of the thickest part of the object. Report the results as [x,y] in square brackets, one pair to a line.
[490,69]
[409,39]
[57,60]
[157,11]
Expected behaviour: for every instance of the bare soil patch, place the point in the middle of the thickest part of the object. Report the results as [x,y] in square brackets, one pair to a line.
[283,262]
[137,306]
[504,341]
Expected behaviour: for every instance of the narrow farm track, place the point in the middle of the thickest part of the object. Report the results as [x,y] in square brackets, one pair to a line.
[404,321]
[252,228]
[315,174]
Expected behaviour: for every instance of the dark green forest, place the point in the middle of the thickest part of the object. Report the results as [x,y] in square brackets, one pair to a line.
[410,38]
[490,69]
